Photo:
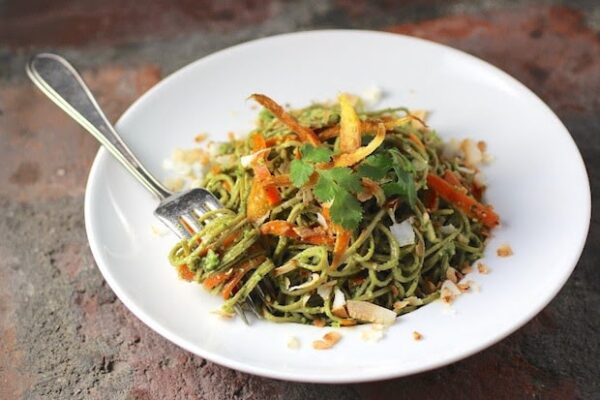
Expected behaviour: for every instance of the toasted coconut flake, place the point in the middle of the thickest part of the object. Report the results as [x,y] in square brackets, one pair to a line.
[372,335]
[372,95]
[338,308]
[451,149]
[504,251]
[158,230]
[451,274]
[325,290]
[319,322]
[479,179]
[473,156]
[409,301]
[313,278]
[467,269]
[482,268]
[447,229]
[293,343]
[369,312]
[449,292]
[322,221]
[329,340]
[201,137]
[417,336]
[222,313]
[247,160]
[464,286]
[403,232]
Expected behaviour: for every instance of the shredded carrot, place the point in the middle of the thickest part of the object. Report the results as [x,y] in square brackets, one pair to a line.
[466,203]
[306,134]
[451,178]
[258,201]
[257,142]
[215,279]
[349,159]
[413,138]
[349,126]
[342,240]
[242,270]
[287,229]
[185,273]
[280,139]
[278,228]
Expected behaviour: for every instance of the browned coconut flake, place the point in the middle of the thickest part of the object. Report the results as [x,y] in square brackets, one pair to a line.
[417,336]
[504,251]
[329,340]
[482,268]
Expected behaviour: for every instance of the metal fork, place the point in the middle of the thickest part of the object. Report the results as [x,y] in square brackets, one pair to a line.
[58,80]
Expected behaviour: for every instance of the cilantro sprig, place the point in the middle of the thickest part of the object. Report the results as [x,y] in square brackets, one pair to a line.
[303,168]
[336,185]
[400,183]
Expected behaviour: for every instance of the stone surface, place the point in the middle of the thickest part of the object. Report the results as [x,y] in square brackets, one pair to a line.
[64,334]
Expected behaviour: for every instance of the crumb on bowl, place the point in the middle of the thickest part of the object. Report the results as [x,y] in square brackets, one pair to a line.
[329,340]
[504,251]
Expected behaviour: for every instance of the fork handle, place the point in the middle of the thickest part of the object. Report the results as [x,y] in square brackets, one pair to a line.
[58,80]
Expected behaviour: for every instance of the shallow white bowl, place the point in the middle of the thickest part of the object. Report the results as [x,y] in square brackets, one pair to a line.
[538,184]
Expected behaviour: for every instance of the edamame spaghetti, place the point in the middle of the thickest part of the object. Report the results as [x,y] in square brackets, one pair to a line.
[340,214]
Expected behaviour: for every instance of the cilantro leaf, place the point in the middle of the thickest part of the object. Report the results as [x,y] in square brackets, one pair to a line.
[300,172]
[345,210]
[375,166]
[344,178]
[325,188]
[315,154]
[404,186]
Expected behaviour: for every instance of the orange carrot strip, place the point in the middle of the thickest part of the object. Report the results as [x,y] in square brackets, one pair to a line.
[278,228]
[451,178]
[215,279]
[305,134]
[342,240]
[464,202]
[185,273]
[258,201]
[257,142]
[243,270]
[413,138]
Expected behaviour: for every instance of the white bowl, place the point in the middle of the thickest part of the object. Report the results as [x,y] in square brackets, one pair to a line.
[537,183]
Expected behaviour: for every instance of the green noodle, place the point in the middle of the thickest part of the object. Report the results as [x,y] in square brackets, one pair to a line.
[375,267]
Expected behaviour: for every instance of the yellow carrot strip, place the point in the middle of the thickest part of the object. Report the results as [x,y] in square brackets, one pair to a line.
[349,159]
[350,126]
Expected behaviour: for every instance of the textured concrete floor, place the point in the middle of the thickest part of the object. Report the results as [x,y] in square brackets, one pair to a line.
[64,334]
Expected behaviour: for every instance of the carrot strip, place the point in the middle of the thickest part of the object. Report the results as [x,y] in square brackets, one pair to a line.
[214,280]
[413,138]
[258,201]
[451,178]
[342,240]
[287,229]
[257,142]
[243,270]
[349,159]
[464,202]
[185,273]
[305,134]
[350,126]
[278,228]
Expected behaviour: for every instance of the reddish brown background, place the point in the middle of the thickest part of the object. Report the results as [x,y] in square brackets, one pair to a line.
[64,334]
